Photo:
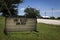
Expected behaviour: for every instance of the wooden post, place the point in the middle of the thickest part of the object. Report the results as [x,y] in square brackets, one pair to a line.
[5,31]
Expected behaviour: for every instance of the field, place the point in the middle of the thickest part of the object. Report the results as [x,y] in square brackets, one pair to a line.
[46,32]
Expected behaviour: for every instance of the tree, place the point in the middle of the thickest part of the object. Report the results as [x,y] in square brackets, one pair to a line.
[31,12]
[9,7]
[58,17]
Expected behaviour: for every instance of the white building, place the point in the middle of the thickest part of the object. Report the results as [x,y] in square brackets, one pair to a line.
[46,16]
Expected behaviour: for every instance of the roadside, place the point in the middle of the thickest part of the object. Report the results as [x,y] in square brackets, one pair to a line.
[48,21]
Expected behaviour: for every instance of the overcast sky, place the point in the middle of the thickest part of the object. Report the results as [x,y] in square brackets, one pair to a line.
[42,5]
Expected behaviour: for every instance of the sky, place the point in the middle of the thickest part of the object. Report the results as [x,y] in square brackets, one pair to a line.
[44,6]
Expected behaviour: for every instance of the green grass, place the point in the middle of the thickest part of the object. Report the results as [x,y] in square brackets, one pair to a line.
[46,32]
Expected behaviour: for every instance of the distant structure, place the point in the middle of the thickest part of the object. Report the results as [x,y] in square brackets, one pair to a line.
[46,16]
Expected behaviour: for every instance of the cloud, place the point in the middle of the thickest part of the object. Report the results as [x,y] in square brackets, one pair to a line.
[22,9]
[51,11]
[56,10]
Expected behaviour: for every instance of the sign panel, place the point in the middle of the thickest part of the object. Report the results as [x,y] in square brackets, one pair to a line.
[20,24]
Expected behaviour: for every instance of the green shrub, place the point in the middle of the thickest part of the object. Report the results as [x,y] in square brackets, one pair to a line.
[52,17]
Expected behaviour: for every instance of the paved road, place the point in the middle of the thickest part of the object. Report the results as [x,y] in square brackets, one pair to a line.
[48,21]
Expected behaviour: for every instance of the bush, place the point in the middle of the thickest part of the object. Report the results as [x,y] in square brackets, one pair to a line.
[58,17]
[52,17]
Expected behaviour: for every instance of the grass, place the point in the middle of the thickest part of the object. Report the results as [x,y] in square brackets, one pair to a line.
[46,32]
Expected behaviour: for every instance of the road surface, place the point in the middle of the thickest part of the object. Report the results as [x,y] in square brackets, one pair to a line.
[48,21]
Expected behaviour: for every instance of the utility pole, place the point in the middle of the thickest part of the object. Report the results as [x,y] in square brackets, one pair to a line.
[45,13]
[52,12]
